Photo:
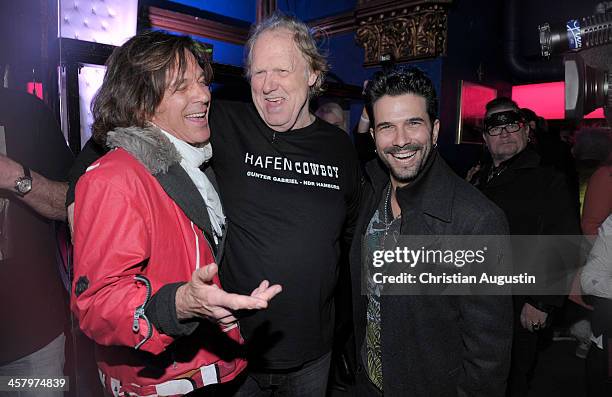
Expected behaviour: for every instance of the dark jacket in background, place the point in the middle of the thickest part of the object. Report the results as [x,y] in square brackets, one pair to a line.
[436,345]
[537,201]
[34,301]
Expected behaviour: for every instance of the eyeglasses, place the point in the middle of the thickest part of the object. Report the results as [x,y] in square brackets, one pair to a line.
[510,129]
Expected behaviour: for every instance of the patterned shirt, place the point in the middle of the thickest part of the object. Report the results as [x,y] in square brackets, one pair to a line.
[382,233]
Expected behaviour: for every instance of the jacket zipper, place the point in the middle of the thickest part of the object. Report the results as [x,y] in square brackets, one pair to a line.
[140,312]
[198,245]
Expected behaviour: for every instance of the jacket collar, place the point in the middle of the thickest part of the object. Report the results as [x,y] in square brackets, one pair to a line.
[432,192]
[527,158]
[159,156]
[148,145]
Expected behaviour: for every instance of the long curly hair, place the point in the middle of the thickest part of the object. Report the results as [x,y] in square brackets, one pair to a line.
[138,73]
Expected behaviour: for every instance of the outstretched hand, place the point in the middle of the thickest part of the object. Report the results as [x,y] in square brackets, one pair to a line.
[200,297]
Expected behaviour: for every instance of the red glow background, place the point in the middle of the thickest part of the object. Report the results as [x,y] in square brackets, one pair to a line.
[547,100]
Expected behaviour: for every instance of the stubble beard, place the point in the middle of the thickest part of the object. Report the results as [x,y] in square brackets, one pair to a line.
[407,175]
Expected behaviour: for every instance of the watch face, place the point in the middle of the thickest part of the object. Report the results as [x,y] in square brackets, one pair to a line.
[23,185]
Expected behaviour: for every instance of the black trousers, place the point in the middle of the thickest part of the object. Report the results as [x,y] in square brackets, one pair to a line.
[599,384]
[523,362]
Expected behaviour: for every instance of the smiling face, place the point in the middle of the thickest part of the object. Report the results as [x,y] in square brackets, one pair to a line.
[280,81]
[183,110]
[404,135]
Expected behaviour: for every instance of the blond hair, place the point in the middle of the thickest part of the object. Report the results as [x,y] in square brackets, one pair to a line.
[304,41]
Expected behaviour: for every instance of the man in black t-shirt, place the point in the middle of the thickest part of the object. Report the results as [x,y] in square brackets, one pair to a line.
[33,156]
[289,183]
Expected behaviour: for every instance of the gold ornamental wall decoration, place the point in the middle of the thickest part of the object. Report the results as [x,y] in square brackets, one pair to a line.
[405,30]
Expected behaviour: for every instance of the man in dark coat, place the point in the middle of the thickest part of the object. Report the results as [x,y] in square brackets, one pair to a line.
[422,345]
[537,201]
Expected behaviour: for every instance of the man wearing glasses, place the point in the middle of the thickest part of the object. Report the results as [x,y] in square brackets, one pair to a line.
[537,201]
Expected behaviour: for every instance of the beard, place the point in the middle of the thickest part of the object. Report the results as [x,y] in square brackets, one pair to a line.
[406,173]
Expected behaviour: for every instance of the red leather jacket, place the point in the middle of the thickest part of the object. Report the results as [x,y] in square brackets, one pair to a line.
[131,239]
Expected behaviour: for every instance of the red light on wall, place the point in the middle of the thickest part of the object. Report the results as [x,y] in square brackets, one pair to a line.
[474,99]
[35,89]
[547,100]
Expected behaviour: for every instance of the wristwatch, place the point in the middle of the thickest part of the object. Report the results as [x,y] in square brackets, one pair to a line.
[23,184]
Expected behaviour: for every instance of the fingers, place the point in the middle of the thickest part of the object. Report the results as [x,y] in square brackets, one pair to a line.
[533,320]
[472,171]
[225,303]
[268,293]
[524,322]
[364,86]
[205,274]
[531,324]
[236,301]
[258,300]
[262,286]
[265,291]
[209,300]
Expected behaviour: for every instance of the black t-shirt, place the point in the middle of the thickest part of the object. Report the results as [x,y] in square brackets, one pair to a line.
[291,202]
[32,303]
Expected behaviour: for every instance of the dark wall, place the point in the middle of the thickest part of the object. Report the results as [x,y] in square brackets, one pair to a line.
[28,30]
[473,54]
[314,9]
[22,28]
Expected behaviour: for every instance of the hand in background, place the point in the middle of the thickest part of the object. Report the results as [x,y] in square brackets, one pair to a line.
[533,319]
[472,171]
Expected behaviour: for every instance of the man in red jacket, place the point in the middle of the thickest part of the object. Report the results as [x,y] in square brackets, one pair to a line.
[148,229]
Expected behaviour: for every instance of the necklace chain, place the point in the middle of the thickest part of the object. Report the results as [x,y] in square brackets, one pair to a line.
[386,215]
[494,172]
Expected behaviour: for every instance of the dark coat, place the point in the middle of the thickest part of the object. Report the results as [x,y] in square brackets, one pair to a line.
[535,198]
[436,345]
[537,201]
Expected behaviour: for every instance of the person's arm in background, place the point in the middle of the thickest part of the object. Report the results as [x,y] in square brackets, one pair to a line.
[43,151]
[46,197]
[597,201]
[596,278]
[364,143]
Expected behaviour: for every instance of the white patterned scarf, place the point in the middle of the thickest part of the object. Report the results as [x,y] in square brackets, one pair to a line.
[192,158]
